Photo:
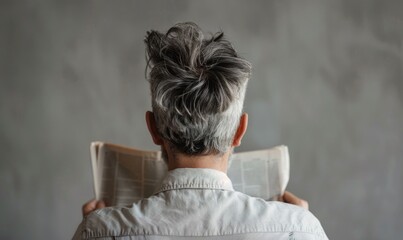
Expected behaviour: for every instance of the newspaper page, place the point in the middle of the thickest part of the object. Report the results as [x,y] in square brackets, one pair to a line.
[262,174]
[124,175]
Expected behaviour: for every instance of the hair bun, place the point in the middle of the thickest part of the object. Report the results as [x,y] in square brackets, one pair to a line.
[196,69]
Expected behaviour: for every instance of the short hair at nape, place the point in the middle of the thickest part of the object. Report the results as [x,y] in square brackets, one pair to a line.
[197,87]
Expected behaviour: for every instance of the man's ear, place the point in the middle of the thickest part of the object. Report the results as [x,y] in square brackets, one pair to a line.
[152,128]
[240,132]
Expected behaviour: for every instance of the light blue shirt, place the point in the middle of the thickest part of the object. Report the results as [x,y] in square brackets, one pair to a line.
[201,204]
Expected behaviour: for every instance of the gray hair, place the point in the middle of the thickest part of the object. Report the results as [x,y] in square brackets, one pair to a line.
[197,87]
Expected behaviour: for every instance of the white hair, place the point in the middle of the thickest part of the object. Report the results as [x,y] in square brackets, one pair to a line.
[197,86]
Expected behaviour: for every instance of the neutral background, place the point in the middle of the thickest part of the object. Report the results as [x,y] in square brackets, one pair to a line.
[327,82]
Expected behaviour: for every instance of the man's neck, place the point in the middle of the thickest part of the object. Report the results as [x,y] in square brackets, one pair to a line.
[213,161]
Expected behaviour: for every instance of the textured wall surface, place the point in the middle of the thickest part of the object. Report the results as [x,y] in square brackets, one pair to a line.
[327,81]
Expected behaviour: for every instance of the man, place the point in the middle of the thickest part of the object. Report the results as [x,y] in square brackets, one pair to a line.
[198,86]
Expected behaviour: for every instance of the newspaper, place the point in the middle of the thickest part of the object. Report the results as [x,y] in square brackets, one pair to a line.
[124,175]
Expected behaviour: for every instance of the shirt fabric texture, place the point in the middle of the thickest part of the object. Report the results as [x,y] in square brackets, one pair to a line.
[194,203]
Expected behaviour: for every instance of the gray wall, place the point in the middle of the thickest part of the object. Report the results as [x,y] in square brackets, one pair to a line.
[327,82]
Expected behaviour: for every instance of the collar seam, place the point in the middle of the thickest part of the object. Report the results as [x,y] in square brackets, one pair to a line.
[169,187]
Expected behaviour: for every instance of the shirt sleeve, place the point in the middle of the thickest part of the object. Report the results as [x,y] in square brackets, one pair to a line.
[79,234]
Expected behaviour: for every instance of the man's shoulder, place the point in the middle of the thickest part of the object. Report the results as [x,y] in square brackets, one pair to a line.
[105,222]
[275,214]
[283,217]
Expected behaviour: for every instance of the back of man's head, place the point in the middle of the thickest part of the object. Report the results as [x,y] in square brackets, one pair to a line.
[198,86]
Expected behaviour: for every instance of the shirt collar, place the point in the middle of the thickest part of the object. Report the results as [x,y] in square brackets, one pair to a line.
[196,178]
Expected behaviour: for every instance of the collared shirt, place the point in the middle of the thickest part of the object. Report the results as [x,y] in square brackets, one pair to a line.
[200,204]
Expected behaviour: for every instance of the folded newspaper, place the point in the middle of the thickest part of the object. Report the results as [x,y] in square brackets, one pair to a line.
[123,175]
